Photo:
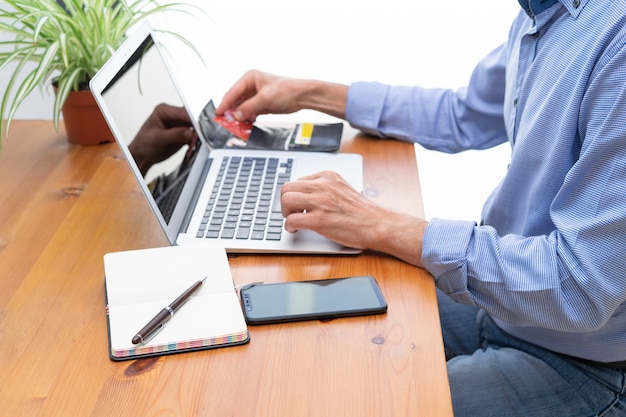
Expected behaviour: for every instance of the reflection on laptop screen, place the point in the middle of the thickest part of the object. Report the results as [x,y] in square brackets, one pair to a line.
[141,90]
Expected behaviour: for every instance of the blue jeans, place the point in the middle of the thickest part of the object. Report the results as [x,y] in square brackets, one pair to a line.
[493,374]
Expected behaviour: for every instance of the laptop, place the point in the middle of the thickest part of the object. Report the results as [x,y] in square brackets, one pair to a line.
[199,193]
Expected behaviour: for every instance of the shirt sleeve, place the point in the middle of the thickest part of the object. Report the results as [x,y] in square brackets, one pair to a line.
[572,278]
[440,119]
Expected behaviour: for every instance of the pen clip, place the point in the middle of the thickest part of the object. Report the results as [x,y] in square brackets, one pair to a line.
[151,335]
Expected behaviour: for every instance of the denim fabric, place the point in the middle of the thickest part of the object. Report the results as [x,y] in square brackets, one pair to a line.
[494,374]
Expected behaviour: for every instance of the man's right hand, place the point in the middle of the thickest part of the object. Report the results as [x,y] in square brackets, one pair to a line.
[259,93]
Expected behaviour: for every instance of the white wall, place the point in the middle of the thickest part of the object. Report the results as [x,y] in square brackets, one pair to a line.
[395,41]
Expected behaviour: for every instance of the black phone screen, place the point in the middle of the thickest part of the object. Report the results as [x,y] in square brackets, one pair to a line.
[308,300]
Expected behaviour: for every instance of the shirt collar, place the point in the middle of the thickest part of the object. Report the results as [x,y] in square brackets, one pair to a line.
[534,7]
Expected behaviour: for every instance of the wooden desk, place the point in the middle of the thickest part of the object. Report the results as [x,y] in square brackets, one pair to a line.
[63,207]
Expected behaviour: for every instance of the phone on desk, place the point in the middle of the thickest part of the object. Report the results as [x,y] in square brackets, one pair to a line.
[312,300]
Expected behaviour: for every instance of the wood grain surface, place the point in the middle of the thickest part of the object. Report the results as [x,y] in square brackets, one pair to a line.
[64,206]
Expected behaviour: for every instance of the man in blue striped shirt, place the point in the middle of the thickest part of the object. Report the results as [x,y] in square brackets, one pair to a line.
[532,300]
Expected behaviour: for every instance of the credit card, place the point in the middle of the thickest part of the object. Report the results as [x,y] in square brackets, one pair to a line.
[239,129]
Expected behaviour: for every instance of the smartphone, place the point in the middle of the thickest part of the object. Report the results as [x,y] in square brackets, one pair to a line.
[312,300]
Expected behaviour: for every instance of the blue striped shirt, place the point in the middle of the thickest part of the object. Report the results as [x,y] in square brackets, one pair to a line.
[548,261]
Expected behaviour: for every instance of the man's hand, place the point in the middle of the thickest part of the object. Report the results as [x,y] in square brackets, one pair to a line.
[260,93]
[325,203]
[166,130]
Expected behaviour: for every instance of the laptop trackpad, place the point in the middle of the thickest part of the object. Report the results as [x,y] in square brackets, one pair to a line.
[308,241]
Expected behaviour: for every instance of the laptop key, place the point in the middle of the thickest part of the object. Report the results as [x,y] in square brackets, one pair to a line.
[228,233]
[243,233]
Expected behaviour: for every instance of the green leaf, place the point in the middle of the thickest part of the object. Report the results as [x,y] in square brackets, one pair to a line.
[68,44]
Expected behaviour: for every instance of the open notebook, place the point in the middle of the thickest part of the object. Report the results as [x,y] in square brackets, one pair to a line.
[141,283]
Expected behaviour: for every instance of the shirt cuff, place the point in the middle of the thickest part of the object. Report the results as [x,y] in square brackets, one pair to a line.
[444,254]
[365,104]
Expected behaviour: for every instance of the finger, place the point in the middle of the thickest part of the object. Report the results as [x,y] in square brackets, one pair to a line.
[243,89]
[193,143]
[250,109]
[322,175]
[173,116]
[177,135]
[312,183]
[294,202]
[297,221]
[306,183]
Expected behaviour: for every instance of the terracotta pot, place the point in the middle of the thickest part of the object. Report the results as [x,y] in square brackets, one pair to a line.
[84,123]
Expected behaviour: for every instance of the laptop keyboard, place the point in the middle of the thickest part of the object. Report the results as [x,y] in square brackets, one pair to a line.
[245,200]
[167,195]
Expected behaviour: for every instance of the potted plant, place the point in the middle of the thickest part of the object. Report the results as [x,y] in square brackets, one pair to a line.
[68,41]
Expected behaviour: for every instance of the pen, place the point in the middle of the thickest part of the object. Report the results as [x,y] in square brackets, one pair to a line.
[165,315]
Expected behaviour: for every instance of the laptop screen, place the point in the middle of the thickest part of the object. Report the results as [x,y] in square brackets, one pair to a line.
[151,120]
